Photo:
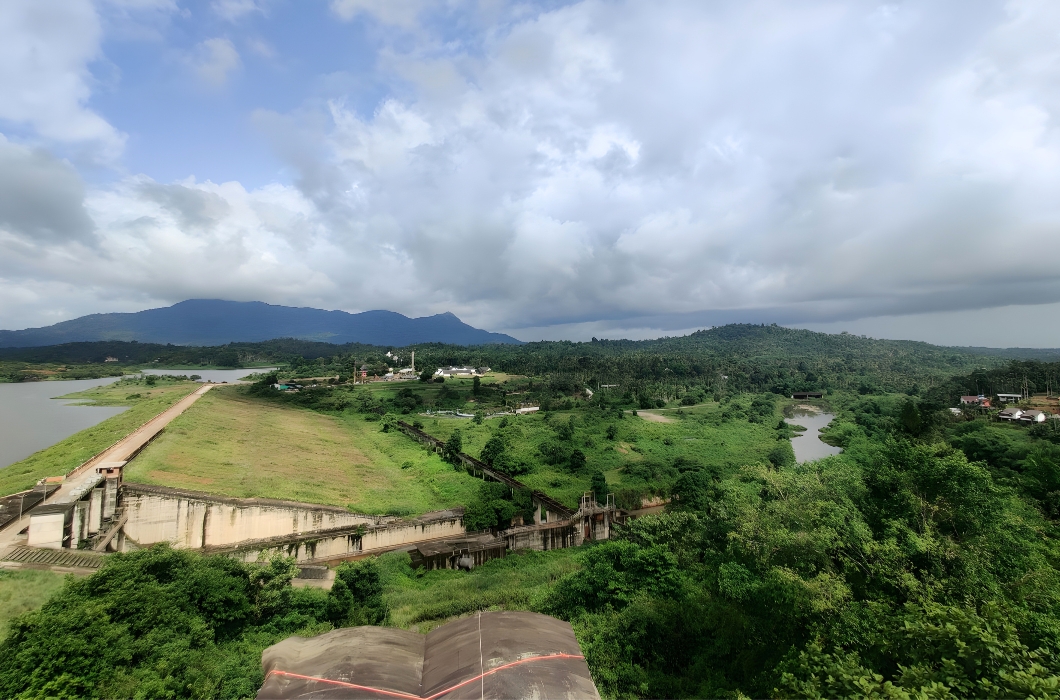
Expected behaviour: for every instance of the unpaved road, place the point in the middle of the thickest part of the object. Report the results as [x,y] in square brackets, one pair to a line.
[655,417]
[128,446]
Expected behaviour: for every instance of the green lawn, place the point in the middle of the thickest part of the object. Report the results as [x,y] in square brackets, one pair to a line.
[144,403]
[233,444]
[24,590]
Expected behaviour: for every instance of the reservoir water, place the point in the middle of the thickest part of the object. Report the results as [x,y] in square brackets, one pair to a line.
[31,418]
[212,375]
[808,445]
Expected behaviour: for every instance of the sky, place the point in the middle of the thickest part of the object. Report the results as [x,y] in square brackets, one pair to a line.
[550,170]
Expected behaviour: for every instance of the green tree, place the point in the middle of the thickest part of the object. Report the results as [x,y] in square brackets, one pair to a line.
[356,596]
[910,418]
[598,486]
[157,623]
[495,446]
[453,447]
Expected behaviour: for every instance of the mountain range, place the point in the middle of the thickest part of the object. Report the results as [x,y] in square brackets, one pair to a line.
[208,322]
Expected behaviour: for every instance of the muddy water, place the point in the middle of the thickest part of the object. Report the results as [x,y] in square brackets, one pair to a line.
[808,445]
[31,418]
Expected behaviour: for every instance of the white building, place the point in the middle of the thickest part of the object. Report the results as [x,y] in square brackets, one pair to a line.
[1032,416]
[461,371]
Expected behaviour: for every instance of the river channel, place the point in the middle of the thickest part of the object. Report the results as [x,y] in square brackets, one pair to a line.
[808,445]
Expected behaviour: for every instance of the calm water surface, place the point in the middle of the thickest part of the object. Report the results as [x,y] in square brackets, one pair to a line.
[32,419]
[212,375]
[808,445]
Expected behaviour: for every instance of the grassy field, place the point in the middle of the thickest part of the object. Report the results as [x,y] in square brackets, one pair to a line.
[640,453]
[422,600]
[144,403]
[25,590]
[232,444]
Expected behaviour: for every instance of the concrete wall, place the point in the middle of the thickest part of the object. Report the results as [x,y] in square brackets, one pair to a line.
[48,529]
[346,543]
[192,520]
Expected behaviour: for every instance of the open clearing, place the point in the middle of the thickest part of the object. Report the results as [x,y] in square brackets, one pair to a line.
[655,417]
[234,445]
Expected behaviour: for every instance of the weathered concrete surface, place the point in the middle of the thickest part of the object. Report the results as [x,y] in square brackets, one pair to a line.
[501,655]
[193,520]
[332,546]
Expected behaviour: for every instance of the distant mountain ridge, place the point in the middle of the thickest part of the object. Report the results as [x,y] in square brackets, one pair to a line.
[208,322]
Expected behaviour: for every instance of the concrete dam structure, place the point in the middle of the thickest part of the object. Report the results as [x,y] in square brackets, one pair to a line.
[91,508]
[252,529]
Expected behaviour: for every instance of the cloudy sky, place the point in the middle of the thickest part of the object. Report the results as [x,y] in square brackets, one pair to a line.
[552,170]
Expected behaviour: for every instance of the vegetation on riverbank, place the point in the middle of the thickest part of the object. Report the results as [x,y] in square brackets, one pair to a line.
[170,623]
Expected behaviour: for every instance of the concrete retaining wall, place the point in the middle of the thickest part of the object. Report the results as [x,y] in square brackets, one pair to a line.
[346,543]
[192,520]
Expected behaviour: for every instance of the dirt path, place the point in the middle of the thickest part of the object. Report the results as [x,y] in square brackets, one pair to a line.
[655,417]
[127,448]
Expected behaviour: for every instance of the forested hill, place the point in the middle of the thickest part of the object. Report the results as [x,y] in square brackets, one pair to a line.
[740,356]
[216,322]
[749,357]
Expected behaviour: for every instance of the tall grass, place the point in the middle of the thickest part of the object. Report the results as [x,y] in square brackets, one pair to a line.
[237,445]
[24,590]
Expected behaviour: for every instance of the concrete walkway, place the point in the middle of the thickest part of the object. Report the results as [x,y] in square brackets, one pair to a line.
[115,456]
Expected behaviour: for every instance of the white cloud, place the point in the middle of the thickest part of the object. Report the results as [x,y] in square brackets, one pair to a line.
[234,10]
[810,162]
[400,13]
[623,167]
[45,49]
[214,61]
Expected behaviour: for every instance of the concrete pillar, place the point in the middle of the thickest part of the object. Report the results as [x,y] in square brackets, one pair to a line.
[110,498]
[78,524]
[95,511]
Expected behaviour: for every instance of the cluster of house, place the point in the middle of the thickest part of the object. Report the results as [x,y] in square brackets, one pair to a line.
[1021,415]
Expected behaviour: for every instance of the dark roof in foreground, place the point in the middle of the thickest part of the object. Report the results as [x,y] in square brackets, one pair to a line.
[489,655]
